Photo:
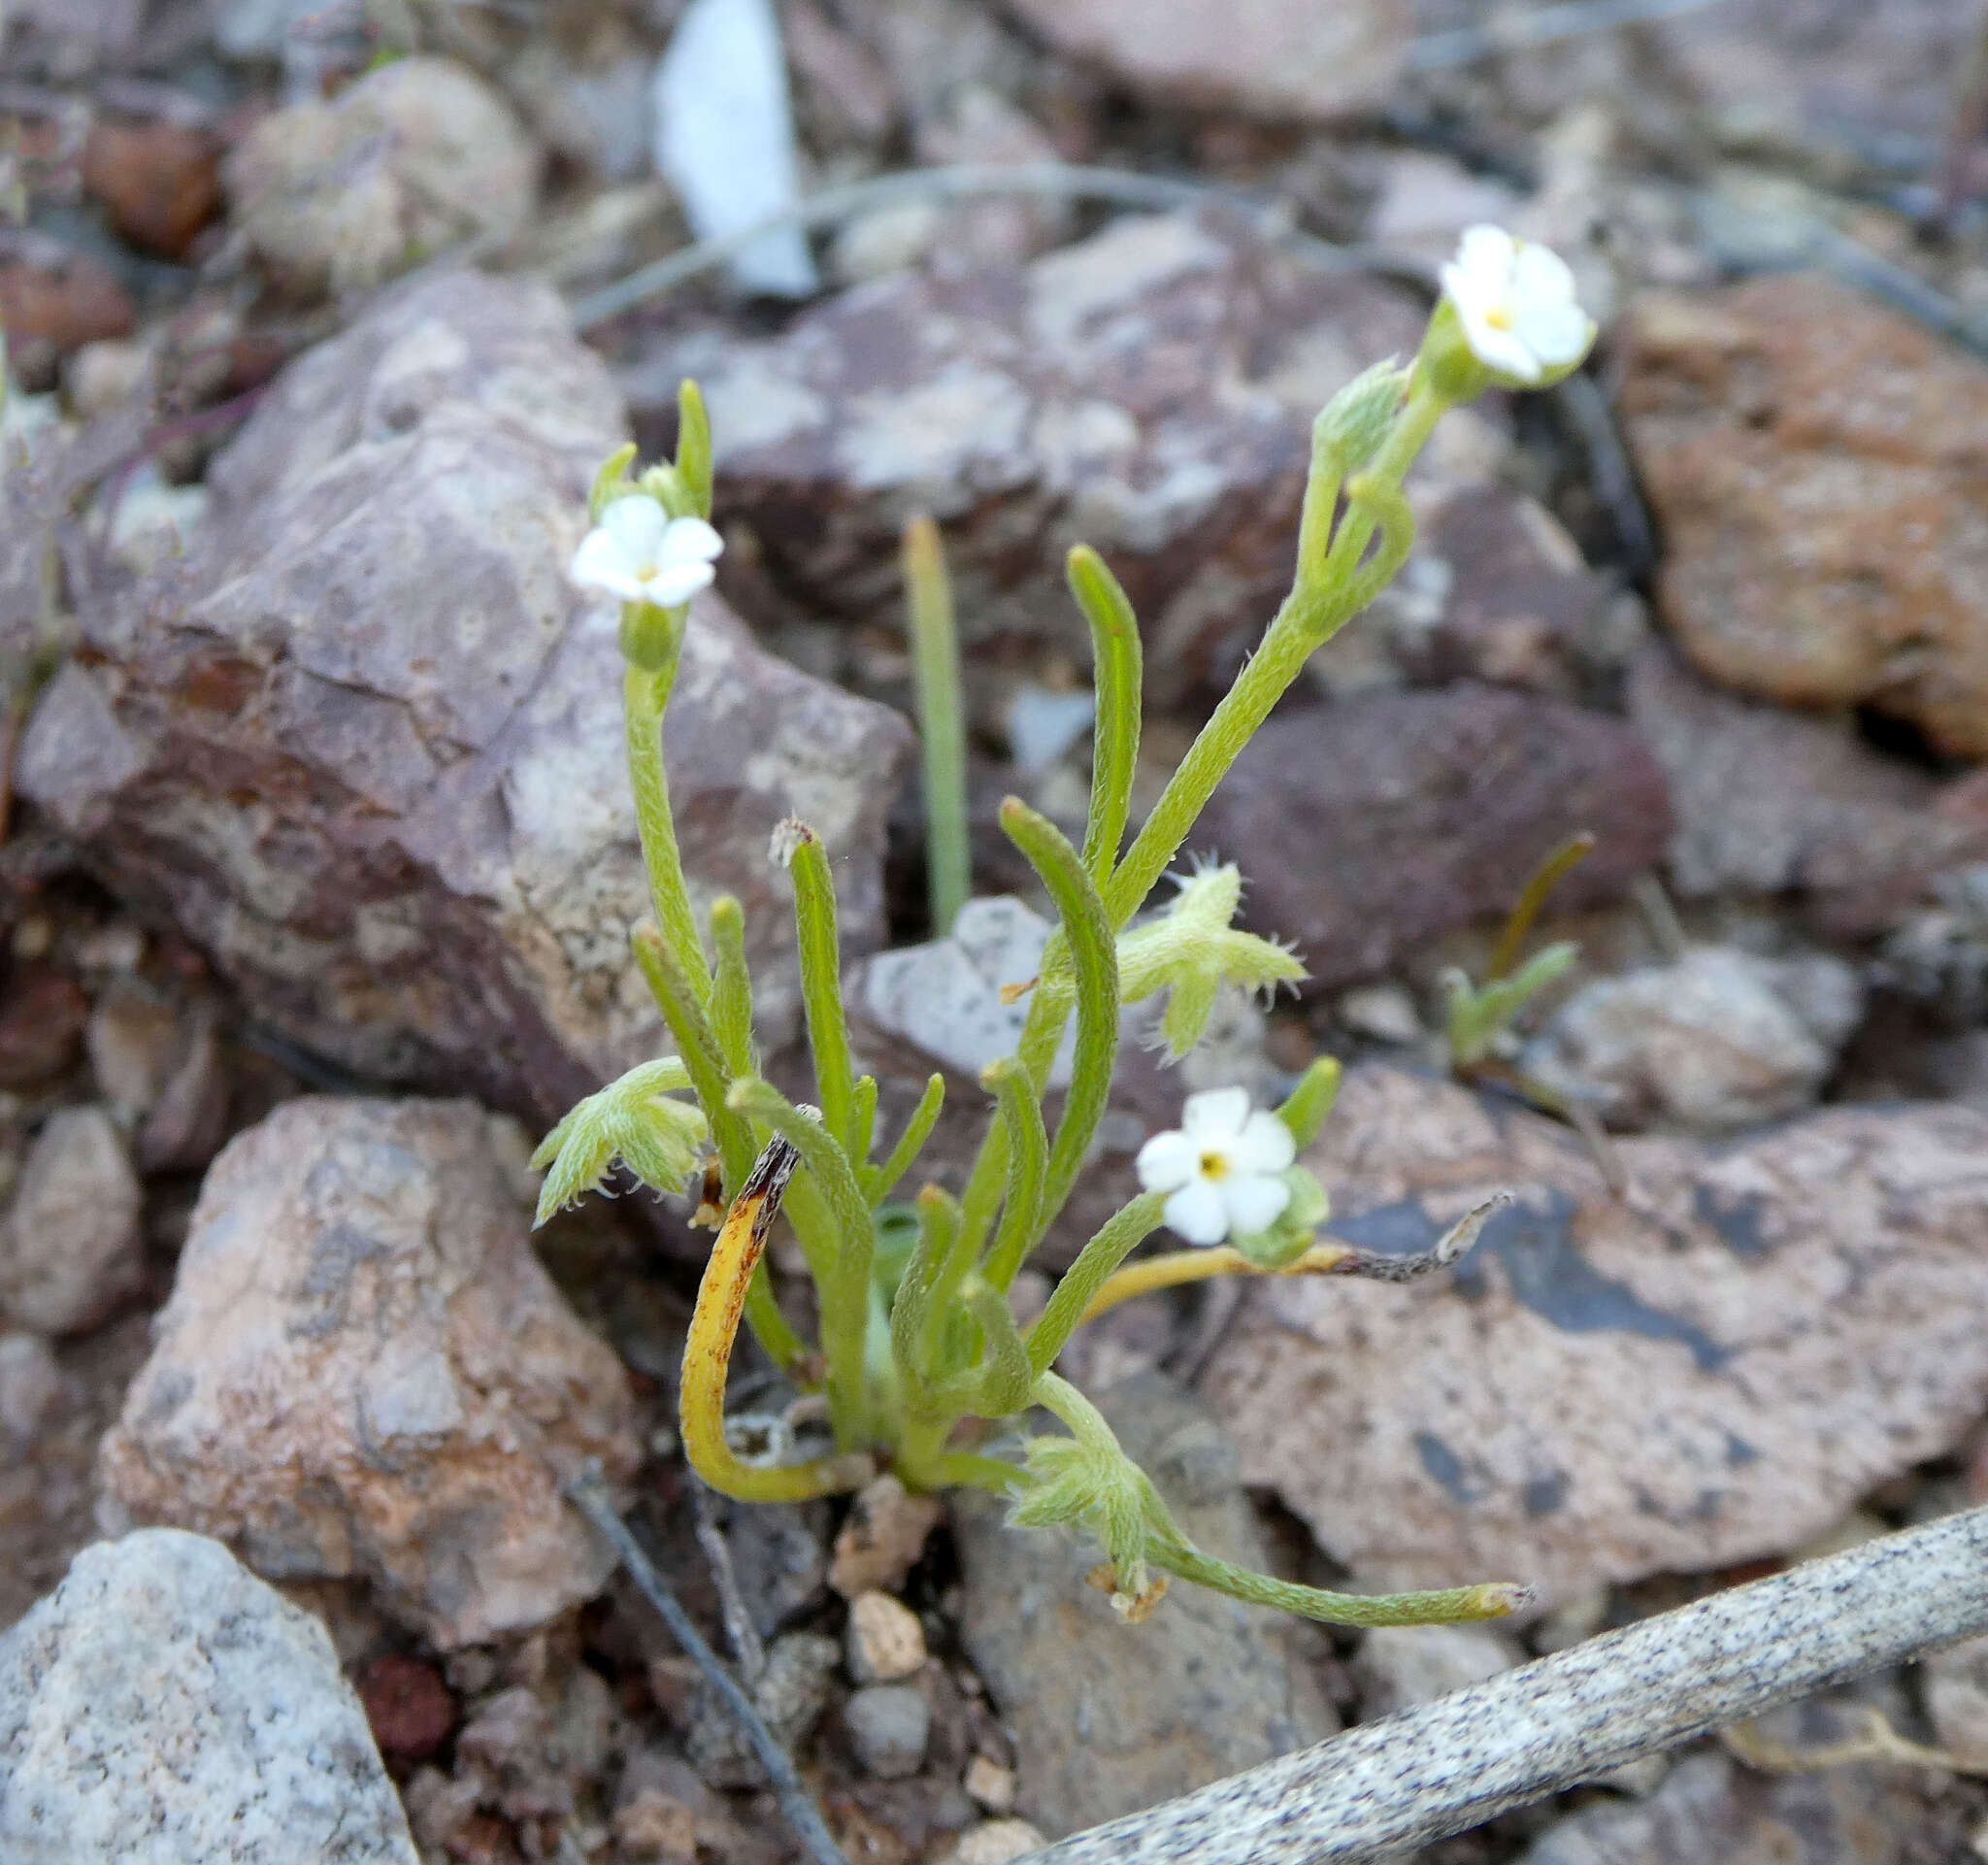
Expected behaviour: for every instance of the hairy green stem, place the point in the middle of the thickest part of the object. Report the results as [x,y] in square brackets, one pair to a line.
[880,1182]
[1028,1157]
[1113,1243]
[942,721]
[822,986]
[1117,680]
[644,695]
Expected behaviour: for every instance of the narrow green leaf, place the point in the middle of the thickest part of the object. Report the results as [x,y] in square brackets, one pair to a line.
[942,721]
[883,1180]
[821,977]
[1118,676]
[693,446]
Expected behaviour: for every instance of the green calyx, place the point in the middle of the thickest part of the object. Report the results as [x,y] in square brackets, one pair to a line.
[631,1120]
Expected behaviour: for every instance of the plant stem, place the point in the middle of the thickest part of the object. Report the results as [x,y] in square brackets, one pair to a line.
[942,721]
[644,696]
[1086,1277]
[1177,1267]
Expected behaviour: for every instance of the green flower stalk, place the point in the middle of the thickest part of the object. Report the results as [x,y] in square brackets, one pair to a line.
[919,1356]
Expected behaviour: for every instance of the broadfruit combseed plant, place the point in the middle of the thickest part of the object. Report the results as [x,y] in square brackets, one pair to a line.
[920,1365]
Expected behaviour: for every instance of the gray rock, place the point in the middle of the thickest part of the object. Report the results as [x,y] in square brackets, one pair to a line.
[791,1693]
[71,1248]
[163,1707]
[1711,1368]
[30,1387]
[1367,828]
[363,1372]
[417,155]
[1151,392]
[1718,1041]
[1771,802]
[1108,1718]
[1276,59]
[889,1725]
[1710,1809]
[1401,1666]
[1956,1688]
[366,746]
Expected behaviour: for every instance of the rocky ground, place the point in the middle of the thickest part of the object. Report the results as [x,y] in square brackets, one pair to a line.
[319,868]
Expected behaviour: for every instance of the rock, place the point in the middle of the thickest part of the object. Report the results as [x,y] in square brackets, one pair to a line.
[655,1828]
[1815,461]
[71,1249]
[991,1785]
[1711,1811]
[159,181]
[1711,1368]
[1719,1040]
[1401,1666]
[888,1725]
[55,300]
[944,998]
[779,1558]
[994,1842]
[416,156]
[364,1372]
[1367,828]
[1956,1689]
[882,1539]
[1150,391]
[164,1706]
[1274,58]
[43,1015]
[1937,954]
[885,1639]
[1106,1717]
[1767,802]
[1847,83]
[408,1707]
[402,828]
[30,1387]
[790,1693]
[130,1038]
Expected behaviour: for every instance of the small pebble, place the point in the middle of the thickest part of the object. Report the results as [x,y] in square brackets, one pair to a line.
[889,1725]
[657,1829]
[991,1785]
[884,1639]
[884,1535]
[995,1842]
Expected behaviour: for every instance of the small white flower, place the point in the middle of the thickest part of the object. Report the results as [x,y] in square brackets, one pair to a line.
[640,553]
[1221,1166]
[1516,303]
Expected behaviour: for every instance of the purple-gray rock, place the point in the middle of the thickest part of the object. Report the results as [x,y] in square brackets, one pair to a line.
[1367,828]
[1150,391]
[1712,1367]
[365,746]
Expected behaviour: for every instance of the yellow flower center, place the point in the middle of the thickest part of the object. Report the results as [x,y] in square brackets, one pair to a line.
[1499,317]
[1214,1165]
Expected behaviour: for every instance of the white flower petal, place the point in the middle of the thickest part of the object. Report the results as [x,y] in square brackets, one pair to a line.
[1198,1213]
[1539,276]
[1253,1203]
[602,563]
[1167,1162]
[1497,347]
[1558,333]
[1214,1116]
[675,583]
[689,541]
[1264,1145]
[636,522]
[1486,251]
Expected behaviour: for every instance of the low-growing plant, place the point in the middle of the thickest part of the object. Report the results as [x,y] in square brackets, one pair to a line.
[921,1364]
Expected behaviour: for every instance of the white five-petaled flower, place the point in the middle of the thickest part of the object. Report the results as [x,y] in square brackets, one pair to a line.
[1222,1167]
[1516,304]
[640,553]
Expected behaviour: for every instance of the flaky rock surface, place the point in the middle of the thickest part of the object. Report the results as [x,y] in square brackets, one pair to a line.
[1713,1369]
[163,1707]
[363,1371]
[366,746]
[1818,466]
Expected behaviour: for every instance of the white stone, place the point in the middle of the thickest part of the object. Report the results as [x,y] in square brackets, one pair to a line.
[164,1707]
